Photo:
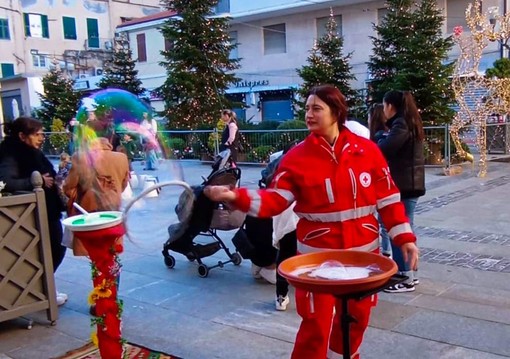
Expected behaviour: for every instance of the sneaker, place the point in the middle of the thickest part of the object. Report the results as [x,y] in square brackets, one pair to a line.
[255,271]
[416,281]
[61,298]
[268,274]
[400,288]
[281,302]
[63,295]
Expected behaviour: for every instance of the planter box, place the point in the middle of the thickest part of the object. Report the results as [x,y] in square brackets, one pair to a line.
[26,268]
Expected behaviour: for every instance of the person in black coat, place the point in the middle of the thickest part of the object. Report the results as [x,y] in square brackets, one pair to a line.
[20,155]
[403,149]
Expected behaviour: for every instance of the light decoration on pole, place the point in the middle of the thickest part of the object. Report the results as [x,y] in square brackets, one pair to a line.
[468,82]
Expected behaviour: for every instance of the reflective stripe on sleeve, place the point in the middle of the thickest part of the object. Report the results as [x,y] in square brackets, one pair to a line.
[369,247]
[284,193]
[255,203]
[400,229]
[386,201]
[340,216]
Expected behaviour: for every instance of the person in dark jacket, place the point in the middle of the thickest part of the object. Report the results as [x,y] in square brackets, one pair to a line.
[403,149]
[20,155]
[230,135]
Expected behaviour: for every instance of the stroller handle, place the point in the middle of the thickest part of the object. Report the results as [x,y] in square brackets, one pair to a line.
[130,204]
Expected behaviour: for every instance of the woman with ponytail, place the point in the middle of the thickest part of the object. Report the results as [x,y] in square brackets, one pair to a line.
[403,149]
[230,135]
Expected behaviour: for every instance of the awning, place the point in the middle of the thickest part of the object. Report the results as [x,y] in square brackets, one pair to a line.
[247,89]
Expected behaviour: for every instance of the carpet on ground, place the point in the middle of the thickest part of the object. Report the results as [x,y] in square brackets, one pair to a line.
[132,351]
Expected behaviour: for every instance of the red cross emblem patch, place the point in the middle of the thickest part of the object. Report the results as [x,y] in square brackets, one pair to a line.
[365,179]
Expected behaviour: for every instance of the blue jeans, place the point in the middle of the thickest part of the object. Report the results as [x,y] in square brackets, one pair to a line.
[410,205]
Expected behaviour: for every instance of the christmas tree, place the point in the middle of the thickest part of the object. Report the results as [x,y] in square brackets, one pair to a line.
[59,99]
[328,65]
[409,54]
[119,72]
[198,66]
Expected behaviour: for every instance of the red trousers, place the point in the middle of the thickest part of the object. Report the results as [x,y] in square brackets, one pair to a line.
[320,325]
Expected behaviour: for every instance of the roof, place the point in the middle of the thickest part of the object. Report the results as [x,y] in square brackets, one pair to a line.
[148,18]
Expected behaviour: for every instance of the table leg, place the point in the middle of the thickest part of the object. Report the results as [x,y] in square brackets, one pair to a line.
[345,321]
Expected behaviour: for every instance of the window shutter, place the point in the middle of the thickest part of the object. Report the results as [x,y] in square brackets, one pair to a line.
[45,29]
[7,70]
[27,24]
[69,28]
[142,51]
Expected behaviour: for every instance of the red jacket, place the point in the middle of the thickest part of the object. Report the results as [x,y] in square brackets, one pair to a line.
[337,190]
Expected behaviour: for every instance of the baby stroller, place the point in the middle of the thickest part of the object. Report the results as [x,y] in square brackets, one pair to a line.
[207,217]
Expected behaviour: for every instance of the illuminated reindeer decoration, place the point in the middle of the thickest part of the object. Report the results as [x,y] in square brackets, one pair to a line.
[468,84]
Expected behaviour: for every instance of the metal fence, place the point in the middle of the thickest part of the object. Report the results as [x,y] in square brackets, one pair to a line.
[439,149]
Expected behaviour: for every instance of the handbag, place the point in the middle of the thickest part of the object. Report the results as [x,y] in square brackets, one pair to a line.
[243,244]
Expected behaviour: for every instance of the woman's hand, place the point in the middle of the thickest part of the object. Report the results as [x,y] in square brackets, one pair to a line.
[48,180]
[411,253]
[220,193]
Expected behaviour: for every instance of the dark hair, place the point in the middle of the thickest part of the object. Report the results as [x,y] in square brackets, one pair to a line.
[334,99]
[231,115]
[404,104]
[377,119]
[25,125]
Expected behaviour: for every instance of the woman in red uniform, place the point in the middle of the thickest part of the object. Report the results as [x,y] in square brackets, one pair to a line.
[338,181]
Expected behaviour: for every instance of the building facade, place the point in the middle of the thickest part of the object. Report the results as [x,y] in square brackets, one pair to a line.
[76,35]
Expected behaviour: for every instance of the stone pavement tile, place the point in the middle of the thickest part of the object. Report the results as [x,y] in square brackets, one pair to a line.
[156,292]
[239,344]
[262,319]
[74,323]
[459,331]
[464,308]
[457,275]
[488,296]
[384,344]
[386,315]
[209,305]
[440,242]
[4,356]
[41,340]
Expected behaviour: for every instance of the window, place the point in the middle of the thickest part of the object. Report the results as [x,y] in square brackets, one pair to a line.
[455,14]
[142,51]
[169,45]
[381,14]
[36,25]
[69,24]
[7,70]
[233,40]
[92,33]
[39,61]
[4,29]
[322,22]
[274,39]
[222,7]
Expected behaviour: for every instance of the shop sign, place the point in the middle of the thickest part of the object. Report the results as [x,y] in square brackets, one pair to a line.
[252,84]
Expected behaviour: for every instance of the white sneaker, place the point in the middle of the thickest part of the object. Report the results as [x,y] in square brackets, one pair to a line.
[255,271]
[268,274]
[281,302]
[61,298]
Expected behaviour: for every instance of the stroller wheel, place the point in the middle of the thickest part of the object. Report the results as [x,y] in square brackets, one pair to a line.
[190,256]
[169,261]
[203,271]
[236,259]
